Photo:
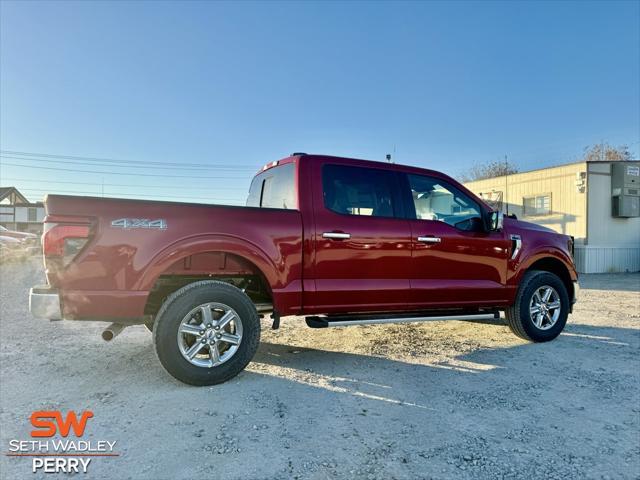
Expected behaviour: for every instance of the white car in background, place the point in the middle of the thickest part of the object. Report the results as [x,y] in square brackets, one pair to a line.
[18,244]
[9,245]
[31,238]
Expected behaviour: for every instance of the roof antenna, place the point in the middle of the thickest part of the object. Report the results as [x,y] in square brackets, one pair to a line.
[389,155]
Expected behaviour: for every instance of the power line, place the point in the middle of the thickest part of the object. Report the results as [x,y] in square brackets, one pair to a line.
[223,187]
[129,194]
[111,160]
[78,162]
[121,173]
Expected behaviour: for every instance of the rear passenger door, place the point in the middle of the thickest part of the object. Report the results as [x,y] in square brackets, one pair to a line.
[362,243]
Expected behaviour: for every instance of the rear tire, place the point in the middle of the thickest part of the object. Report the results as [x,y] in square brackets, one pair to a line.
[533,317]
[192,340]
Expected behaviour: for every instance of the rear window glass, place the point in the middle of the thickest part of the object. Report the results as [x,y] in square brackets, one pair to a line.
[274,188]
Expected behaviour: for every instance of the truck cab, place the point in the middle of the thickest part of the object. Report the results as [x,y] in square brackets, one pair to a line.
[411,238]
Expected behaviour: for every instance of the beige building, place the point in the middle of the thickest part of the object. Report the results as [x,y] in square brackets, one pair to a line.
[598,203]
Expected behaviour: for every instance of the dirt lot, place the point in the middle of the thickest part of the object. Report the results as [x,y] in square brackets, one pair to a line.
[434,400]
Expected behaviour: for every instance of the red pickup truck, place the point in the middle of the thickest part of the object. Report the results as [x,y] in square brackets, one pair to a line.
[340,241]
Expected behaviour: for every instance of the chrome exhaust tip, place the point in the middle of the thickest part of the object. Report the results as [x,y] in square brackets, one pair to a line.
[112,331]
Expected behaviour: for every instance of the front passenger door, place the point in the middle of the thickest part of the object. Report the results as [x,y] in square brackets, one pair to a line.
[455,260]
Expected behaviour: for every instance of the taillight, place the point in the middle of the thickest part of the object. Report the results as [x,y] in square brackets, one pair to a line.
[64,241]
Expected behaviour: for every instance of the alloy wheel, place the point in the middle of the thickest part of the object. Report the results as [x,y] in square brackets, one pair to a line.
[210,334]
[545,307]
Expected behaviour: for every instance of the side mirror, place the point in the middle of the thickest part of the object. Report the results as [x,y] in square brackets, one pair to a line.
[496,221]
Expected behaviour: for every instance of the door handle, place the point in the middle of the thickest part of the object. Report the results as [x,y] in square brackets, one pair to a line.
[429,239]
[336,235]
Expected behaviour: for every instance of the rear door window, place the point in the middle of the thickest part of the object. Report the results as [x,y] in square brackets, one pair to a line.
[274,188]
[360,191]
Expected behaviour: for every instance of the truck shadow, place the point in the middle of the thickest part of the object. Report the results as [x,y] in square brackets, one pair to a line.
[412,382]
[432,371]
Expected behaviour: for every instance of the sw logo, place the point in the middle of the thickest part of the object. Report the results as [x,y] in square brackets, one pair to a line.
[52,452]
[48,423]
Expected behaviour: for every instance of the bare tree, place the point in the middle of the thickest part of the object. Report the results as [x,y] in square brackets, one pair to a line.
[606,153]
[494,168]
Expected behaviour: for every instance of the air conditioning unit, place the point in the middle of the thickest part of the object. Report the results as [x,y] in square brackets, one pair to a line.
[625,189]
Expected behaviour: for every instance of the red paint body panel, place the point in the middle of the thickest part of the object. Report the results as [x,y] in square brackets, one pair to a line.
[467,268]
[538,244]
[110,304]
[380,268]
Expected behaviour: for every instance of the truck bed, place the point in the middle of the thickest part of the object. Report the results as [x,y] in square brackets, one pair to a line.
[134,242]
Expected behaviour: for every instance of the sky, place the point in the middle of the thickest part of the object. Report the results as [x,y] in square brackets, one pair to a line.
[186,101]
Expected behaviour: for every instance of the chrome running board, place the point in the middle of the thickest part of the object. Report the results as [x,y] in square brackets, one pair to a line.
[342,321]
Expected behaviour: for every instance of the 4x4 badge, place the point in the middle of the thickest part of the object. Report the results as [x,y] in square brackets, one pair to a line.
[160,223]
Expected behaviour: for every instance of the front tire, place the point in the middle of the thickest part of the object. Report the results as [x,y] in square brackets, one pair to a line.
[541,308]
[206,332]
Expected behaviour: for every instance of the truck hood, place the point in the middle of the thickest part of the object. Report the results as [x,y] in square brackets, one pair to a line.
[521,225]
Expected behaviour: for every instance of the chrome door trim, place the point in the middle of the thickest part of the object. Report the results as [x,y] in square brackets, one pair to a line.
[518,247]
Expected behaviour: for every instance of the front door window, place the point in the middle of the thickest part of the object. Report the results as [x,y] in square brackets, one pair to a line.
[434,199]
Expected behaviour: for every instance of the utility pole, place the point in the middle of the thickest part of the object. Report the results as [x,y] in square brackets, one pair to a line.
[506,185]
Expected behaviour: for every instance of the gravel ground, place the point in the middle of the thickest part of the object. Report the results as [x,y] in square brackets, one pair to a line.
[434,400]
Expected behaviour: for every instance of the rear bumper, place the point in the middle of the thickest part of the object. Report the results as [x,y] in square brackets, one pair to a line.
[126,307]
[44,302]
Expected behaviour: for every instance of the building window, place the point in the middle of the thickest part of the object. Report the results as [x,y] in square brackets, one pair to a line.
[32,214]
[537,205]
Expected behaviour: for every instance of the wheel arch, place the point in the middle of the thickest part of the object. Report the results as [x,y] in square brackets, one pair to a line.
[207,257]
[552,264]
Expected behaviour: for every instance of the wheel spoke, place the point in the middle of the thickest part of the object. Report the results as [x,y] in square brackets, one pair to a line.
[214,354]
[190,329]
[535,309]
[539,319]
[547,295]
[230,338]
[207,318]
[554,305]
[194,349]
[226,318]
